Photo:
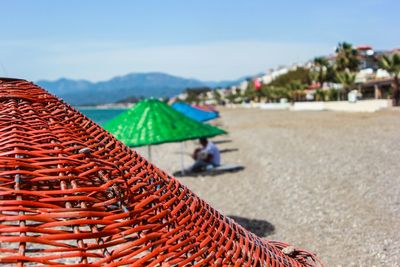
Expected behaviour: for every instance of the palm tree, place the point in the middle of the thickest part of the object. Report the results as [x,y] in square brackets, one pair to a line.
[321,64]
[266,91]
[313,76]
[295,89]
[347,79]
[392,65]
[217,96]
[279,92]
[346,57]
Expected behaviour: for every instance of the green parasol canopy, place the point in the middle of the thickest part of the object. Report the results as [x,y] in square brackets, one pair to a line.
[152,122]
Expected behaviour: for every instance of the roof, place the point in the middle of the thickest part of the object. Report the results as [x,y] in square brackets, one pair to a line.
[152,122]
[194,113]
[364,47]
[205,107]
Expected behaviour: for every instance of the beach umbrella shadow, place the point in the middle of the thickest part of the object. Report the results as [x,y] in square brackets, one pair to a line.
[213,172]
[223,141]
[227,150]
[259,227]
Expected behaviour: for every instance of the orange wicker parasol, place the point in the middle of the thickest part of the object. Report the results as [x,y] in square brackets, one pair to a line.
[71,194]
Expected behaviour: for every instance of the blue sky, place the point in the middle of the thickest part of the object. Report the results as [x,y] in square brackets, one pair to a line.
[207,39]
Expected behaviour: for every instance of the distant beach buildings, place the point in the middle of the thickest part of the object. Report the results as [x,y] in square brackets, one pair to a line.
[369,81]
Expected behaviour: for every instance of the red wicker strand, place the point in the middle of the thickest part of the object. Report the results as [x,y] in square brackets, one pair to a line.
[71,194]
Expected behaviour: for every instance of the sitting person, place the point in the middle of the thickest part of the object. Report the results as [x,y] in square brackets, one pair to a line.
[205,157]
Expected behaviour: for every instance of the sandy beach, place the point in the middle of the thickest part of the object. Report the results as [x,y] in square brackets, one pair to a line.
[323,181]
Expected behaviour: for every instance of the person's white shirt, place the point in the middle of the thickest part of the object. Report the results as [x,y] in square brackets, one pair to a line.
[212,149]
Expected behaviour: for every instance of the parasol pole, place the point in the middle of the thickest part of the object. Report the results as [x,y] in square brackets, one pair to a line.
[149,152]
[182,159]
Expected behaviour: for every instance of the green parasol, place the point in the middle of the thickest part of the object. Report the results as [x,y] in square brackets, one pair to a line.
[152,122]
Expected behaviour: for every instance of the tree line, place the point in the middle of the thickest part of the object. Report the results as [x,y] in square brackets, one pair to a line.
[341,70]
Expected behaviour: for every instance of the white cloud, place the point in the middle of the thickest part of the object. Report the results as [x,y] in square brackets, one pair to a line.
[101,61]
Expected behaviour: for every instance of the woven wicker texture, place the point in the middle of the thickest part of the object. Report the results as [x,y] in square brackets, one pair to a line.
[152,122]
[71,194]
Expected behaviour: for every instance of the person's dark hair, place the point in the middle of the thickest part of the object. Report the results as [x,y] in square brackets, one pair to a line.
[203,141]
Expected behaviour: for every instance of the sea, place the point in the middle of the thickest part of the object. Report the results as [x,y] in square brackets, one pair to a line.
[100,116]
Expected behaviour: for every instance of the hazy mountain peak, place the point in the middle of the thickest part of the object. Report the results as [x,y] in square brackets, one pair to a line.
[148,84]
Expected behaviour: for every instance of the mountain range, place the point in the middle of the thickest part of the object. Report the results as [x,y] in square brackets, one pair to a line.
[151,84]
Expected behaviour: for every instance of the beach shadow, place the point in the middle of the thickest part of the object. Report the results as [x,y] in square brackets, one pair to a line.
[222,141]
[261,228]
[226,150]
[206,173]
